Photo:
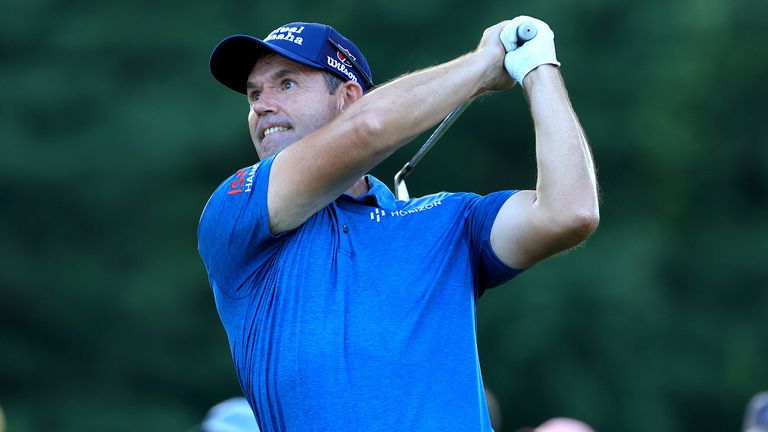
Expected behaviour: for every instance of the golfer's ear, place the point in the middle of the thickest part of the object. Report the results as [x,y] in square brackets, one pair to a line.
[349,91]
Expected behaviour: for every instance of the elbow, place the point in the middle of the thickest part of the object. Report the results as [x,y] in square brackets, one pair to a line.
[377,131]
[587,223]
[368,125]
[580,225]
[574,227]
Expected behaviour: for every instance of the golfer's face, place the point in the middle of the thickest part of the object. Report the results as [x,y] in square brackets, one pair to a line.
[288,101]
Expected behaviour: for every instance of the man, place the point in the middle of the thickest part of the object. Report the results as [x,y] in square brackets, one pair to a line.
[346,309]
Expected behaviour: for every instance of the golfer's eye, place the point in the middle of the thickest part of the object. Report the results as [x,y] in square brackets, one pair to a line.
[288,84]
[253,97]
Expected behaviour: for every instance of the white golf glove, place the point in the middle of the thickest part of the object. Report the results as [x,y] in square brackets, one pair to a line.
[524,58]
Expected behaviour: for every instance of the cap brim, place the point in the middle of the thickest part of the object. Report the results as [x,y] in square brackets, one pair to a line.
[233,58]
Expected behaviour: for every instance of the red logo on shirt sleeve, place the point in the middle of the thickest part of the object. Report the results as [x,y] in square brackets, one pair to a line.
[237,184]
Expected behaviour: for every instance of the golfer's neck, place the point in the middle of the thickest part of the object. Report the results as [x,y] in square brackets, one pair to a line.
[359,188]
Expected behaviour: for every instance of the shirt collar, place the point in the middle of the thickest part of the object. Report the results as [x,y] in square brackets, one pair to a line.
[378,195]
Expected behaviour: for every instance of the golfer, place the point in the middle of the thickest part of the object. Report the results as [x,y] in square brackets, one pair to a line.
[349,310]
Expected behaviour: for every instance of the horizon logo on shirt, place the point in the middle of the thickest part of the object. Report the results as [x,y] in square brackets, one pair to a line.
[429,206]
[377,214]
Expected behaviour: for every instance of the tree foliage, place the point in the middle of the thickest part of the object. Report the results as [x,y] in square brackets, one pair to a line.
[114,134]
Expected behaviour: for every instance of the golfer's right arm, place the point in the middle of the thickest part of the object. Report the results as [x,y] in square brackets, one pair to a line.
[314,171]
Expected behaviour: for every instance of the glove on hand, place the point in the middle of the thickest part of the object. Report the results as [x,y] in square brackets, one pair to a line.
[524,58]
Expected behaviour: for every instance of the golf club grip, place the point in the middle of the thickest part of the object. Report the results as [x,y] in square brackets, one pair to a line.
[526,32]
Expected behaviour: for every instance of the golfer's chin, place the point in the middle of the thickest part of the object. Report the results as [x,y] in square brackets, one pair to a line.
[273,144]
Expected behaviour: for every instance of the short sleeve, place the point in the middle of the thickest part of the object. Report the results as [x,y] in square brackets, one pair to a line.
[233,236]
[481,212]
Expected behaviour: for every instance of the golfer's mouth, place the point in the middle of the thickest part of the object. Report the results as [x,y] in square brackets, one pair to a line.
[274,129]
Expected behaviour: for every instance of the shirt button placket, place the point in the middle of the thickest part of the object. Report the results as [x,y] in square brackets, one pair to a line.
[342,225]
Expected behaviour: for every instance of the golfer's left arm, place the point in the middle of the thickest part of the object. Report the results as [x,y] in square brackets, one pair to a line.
[563,210]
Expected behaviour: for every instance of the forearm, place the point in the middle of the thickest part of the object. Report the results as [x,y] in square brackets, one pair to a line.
[407,106]
[566,187]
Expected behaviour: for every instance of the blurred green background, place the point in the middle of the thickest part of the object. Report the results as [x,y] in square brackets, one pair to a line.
[114,134]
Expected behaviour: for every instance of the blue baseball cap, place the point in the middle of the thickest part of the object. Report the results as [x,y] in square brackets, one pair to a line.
[315,45]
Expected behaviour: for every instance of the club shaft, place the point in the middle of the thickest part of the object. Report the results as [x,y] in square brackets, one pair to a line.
[437,134]
[401,192]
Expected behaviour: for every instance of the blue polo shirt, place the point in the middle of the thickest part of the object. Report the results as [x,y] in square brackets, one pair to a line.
[362,318]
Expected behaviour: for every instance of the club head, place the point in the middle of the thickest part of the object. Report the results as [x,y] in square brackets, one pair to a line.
[401,192]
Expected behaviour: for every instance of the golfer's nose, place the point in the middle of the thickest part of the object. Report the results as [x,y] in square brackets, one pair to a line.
[266,103]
